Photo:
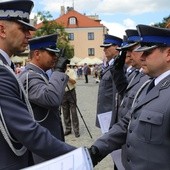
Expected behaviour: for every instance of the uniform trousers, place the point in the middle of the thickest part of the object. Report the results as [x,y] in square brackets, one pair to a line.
[70,112]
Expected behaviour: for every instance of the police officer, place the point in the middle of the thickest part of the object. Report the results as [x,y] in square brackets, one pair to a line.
[45,93]
[19,132]
[145,129]
[136,81]
[107,90]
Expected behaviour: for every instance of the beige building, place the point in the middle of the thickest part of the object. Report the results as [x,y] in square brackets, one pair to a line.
[85,33]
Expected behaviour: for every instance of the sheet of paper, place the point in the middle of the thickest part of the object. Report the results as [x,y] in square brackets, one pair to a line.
[75,160]
[104,120]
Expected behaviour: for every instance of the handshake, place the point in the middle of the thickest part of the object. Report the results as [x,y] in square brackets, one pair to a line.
[95,155]
[61,64]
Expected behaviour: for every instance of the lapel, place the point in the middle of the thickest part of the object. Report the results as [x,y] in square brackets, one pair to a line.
[3,59]
[129,73]
[135,81]
[105,70]
[155,92]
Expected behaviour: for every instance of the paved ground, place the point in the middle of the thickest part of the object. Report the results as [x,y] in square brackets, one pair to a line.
[87,99]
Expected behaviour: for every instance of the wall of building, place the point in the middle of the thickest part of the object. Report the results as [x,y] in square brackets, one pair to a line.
[81,42]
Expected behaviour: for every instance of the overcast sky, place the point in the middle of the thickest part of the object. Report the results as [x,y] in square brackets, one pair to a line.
[117,15]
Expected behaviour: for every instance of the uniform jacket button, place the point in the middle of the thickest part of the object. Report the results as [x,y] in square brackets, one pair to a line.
[130,131]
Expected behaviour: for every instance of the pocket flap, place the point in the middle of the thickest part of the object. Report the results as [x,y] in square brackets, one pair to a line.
[151,117]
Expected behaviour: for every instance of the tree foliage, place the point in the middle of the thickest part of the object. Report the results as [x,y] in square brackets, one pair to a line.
[164,22]
[49,26]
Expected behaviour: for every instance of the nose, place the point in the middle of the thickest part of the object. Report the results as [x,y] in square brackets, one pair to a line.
[27,34]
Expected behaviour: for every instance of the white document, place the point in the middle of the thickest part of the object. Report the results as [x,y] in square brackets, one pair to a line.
[104,120]
[78,159]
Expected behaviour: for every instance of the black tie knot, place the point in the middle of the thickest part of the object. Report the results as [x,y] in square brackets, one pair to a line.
[151,85]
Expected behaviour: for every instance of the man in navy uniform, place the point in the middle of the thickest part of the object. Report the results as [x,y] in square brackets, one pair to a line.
[145,129]
[45,93]
[137,80]
[106,101]
[19,132]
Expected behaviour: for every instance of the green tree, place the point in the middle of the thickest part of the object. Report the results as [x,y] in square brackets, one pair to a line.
[49,26]
[164,22]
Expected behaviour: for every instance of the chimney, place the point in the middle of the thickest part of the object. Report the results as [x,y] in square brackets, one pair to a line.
[62,10]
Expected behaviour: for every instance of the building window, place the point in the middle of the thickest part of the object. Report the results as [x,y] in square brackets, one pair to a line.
[70,36]
[72,20]
[91,52]
[90,35]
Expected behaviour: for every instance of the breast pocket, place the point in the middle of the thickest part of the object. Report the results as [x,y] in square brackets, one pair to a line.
[150,127]
[107,80]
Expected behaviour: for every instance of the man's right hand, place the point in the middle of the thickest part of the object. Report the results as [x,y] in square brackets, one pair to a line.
[61,64]
[120,60]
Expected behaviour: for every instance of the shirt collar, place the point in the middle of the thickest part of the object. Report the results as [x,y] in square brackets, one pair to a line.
[111,61]
[6,56]
[161,77]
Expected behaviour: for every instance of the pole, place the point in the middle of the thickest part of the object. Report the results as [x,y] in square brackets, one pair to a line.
[80,114]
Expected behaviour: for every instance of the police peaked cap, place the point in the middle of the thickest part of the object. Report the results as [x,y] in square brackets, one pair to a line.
[152,37]
[18,11]
[133,38]
[47,42]
[110,40]
[124,43]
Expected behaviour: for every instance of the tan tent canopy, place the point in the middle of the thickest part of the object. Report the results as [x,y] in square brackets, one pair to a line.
[90,61]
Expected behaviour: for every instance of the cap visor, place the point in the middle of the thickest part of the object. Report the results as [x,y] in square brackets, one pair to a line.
[129,46]
[145,48]
[29,26]
[106,45]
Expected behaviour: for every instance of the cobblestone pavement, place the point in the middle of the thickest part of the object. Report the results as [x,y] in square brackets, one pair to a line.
[86,101]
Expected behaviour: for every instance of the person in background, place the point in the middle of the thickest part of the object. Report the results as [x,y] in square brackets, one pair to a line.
[69,104]
[45,93]
[86,71]
[145,128]
[20,134]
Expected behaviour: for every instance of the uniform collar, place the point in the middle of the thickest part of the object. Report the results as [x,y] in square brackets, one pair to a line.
[161,77]
[6,56]
[111,61]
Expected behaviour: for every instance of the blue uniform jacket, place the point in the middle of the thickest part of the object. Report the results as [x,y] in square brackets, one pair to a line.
[23,128]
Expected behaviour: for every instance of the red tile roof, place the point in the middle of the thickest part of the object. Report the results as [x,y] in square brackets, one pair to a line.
[83,21]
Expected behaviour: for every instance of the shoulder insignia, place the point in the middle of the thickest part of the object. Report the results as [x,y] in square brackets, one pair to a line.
[165,84]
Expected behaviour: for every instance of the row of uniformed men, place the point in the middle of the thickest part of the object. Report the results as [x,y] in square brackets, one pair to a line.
[20,133]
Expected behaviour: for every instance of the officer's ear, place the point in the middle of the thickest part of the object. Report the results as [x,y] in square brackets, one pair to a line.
[168,54]
[2,29]
[36,54]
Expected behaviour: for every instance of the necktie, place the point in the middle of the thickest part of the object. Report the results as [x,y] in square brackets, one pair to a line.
[12,66]
[151,85]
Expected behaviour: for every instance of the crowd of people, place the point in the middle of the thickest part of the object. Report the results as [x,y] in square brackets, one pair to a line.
[133,88]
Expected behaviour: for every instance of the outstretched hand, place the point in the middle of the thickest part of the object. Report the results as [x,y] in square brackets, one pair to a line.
[95,155]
